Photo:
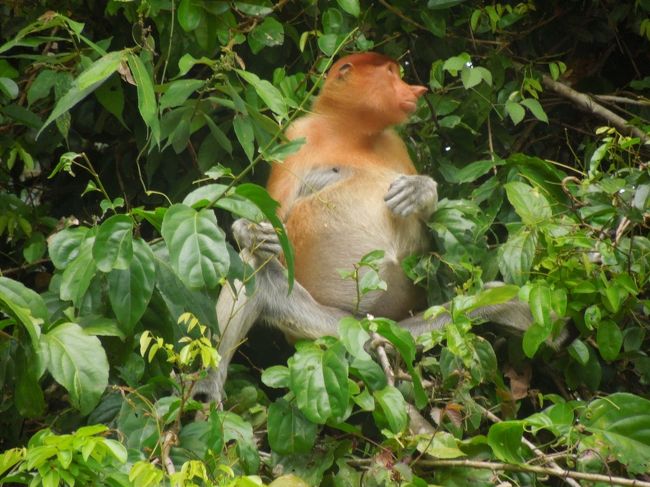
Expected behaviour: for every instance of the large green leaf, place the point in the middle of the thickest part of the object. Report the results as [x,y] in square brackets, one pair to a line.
[78,274]
[393,406]
[129,290]
[319,379]
[89,80]
[621,423]
[516,256]
[289,430]
[529,203]
[113,247]
[197,246]
[78,362]
[64,246]
[353,336]
[146,97]
[505,440]
[177,297]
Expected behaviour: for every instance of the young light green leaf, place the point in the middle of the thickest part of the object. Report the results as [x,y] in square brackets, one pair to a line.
[130,289]
[516,111]
[535,108]
[78,362]
[113,247]
[197,246]
[470,77]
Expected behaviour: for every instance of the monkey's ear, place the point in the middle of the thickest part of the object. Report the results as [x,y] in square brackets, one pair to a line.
[344,71]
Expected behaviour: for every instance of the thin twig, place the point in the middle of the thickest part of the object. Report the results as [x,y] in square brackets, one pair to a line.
[623,99]
[496,466]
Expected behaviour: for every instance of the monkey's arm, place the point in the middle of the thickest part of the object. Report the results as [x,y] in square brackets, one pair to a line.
[408,195]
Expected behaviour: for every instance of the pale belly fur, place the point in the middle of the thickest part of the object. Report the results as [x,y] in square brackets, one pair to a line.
[341,223]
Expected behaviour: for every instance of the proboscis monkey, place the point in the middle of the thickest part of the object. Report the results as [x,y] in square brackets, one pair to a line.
[350,189]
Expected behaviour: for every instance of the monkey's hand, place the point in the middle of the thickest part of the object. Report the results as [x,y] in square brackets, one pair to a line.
[259,239]
[408,195]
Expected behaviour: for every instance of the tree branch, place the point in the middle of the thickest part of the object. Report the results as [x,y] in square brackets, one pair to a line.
[564,474]
[586,103]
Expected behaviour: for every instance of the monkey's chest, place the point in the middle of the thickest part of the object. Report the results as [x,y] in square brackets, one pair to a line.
[333,228]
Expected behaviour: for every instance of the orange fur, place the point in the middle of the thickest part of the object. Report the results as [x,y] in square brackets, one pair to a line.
[332,227]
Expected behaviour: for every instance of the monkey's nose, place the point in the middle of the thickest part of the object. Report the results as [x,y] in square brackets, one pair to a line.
[418,90]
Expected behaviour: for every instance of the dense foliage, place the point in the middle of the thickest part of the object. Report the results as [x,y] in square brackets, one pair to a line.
[132,132]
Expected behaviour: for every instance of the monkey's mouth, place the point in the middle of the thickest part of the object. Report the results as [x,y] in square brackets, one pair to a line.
[408,106]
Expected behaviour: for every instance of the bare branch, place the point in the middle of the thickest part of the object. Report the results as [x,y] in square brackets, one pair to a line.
[588,104]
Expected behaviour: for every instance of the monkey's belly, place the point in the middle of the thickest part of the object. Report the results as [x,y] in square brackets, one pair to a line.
[334,229]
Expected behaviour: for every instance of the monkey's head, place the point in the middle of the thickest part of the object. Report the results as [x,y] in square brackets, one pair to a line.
[367,88]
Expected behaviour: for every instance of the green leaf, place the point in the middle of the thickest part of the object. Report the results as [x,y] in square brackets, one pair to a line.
[473,171]
[268,206]
[235,428]
[609,339]
[42,85]
[78,274]
[529,203]
[111,96]
[516,256]
[505,440]
[354,337]
[189,15]
[77,362]
[393,406]
[269,33]
[535,108]
[9,88]
[113,248]
[579,351]
[146,97]
[620,422]
[516,111]
[439,445]
[18,294]
[350,6]
[267,92]
[456,63]
[276,377]
[289,430]
[319,380]
[470,77]
[64,246]
[179,91]
[130,290]
[539,300]
[245,134]
[89,80]
[404,342]
[197,246]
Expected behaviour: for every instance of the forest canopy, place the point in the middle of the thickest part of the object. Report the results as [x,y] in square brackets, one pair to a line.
[134,132]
